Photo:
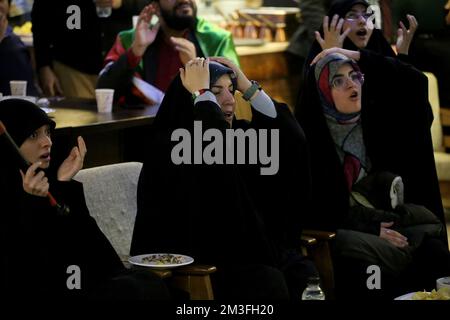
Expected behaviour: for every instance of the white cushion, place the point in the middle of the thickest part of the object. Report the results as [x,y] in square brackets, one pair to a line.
[110,193]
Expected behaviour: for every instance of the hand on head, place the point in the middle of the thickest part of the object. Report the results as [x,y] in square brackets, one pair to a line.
[405,36]
[355,55]
[195,75]
[242,81]
[73,163]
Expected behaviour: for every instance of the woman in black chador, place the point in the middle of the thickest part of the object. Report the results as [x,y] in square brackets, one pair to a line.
[49,253]
[229,215]
[368,164]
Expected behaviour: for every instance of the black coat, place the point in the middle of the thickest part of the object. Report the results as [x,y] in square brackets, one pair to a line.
[219,213]
[396,120]
[38,244]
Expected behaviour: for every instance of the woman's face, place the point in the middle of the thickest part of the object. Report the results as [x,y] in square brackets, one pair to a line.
[224,92]
[361,25]
[346,89]
[37,147]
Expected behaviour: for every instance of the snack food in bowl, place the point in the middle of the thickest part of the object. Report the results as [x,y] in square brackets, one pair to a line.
[441,294]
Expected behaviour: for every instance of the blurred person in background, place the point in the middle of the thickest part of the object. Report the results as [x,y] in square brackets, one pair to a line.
[155,52]
[14,57]
[62,67]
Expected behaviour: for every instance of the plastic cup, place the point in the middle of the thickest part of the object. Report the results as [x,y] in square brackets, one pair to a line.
[18,88]
[103,12]
[104,100]
[443,283]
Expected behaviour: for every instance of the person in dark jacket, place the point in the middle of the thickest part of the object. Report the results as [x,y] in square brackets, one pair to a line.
[355,147]
[15,63]
[70,46]
[49,253]
[226,214]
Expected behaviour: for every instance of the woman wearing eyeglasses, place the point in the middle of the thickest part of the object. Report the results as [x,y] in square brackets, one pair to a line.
[363,157]
[395,97]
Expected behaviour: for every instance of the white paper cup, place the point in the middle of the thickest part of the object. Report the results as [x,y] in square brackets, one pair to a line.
[443,283]
[18,88]
[104,100]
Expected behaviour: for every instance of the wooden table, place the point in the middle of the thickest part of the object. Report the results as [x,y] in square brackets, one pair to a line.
[110,138]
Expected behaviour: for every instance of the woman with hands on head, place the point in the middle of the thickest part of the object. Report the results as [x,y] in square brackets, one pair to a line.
[364,186]
[395,93]
[34,232]
[226,214]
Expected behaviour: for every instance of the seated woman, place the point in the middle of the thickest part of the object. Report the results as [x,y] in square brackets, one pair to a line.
[49,253]
[355,149]
[226,214]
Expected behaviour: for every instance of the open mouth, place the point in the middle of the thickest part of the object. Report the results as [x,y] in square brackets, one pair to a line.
[184,6]
[45,157]
[361,33]
[354,95]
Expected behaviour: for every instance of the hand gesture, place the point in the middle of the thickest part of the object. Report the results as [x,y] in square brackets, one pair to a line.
[34,183]
[195,75]
[405,36]
[185,48]
[355,55]
[73,163]
[144,35]
[49,82]
[332,32]
[242,81]
[394,237]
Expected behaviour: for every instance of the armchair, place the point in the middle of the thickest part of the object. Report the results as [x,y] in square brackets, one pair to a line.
[110,193]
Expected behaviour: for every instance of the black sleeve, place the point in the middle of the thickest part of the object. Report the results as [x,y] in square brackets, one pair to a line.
[42,32]
[117,76]
[210,114]
[368,220]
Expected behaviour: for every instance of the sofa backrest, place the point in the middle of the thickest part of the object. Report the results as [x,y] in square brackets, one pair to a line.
[110,193]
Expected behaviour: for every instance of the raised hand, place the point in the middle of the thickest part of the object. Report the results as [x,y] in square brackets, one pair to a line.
[185,48]
[34,183]
[332,32]
[144,35]
[195,75]
[405,36]
[242,81]
[73,163]
[394,237]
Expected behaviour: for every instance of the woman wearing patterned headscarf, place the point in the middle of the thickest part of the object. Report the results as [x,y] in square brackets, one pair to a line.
[354,149]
